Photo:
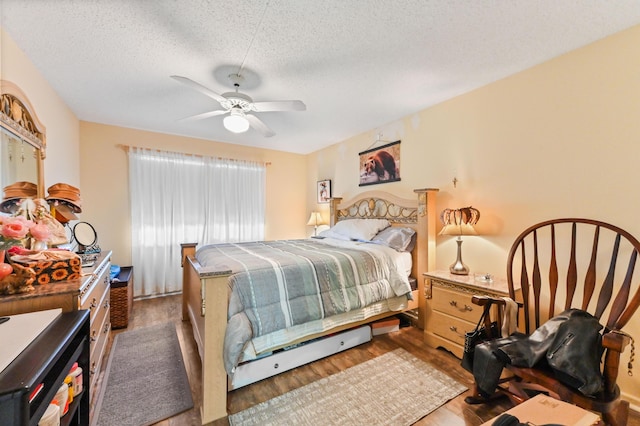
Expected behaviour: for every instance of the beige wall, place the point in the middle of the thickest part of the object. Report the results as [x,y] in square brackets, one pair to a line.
[560,139]
[62,126]
[105,183]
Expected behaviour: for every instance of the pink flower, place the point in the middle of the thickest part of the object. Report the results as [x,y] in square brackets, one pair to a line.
[28,223]
[15,228]
[41,232]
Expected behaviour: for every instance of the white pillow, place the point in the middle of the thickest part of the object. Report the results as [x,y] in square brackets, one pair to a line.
[360,229]
[328,233]
[398,238]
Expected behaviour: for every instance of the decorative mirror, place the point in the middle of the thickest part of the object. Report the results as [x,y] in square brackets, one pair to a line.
[22,148]
[86,237]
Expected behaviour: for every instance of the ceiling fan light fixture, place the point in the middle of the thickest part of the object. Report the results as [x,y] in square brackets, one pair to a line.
[236,122]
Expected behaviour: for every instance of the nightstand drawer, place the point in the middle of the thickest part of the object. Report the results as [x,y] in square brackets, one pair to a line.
[455,304]
[450,328]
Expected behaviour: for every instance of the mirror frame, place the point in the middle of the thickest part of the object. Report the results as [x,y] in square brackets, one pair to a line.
[86,227]
[18,117]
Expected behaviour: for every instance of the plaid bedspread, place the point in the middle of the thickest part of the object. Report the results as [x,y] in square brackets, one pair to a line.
[279,284]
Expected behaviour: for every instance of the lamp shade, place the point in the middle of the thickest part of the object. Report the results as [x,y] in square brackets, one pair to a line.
[459,221]
[236,122]
[462,229]
[315,219]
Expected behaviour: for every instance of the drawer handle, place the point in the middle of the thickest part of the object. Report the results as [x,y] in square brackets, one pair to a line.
[93,335]
[455,330]
[106,328]
[94,303]
[106,304]
[466,307]
[93,368]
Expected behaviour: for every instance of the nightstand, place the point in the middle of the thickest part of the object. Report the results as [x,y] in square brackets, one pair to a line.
[449,310]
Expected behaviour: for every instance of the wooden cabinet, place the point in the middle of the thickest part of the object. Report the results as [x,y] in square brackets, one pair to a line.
[47,360]
[91,292]
[449,310]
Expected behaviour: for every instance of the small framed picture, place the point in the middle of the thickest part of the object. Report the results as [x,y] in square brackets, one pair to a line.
[324,191]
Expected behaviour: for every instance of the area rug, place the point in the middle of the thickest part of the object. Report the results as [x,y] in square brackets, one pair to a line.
[393,389]
[145,380]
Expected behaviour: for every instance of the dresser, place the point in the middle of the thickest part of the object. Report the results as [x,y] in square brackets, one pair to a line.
[449,310]
[90,292]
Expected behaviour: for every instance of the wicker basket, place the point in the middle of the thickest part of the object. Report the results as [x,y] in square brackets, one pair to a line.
[122,298]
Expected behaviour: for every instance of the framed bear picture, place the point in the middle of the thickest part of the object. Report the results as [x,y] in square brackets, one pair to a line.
[380,165]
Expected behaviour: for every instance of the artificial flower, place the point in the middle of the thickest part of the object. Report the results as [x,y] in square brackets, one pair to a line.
[13,230]
[40,232]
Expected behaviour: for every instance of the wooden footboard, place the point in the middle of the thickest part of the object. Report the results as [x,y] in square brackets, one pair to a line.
[204,304]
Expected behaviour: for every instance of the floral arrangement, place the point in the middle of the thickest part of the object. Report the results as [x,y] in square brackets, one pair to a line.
[26,236]
[14,230]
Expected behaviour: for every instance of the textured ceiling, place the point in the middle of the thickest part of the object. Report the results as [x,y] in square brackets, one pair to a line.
[357,64]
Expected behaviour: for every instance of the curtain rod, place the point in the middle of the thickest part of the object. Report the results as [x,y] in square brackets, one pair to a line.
[128,147]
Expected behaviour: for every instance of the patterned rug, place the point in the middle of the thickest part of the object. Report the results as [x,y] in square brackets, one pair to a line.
[146,380]
[393,389]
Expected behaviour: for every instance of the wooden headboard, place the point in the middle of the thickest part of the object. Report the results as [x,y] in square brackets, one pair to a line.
[418,213]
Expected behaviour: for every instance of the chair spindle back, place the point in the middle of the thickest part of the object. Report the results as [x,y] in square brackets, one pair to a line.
[592,257]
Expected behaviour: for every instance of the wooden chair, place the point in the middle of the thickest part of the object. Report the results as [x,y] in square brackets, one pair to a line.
[573,263]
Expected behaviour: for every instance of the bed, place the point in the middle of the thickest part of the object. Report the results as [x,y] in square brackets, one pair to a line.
[206,293]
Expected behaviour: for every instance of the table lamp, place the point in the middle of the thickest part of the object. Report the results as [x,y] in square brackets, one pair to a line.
[314,220]
[459,222]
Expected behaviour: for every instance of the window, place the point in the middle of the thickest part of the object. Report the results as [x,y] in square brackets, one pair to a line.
[178,198]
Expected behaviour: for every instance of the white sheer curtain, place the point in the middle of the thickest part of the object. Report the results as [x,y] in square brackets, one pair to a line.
[178,198]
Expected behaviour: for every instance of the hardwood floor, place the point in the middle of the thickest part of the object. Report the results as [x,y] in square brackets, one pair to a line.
[454,413]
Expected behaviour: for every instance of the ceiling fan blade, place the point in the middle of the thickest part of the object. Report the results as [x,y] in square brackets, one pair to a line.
[199,87]
[259,125]
[279,106]
[204,115]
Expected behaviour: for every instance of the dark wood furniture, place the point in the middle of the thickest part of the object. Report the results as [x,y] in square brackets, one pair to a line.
[47,360]
[574,263]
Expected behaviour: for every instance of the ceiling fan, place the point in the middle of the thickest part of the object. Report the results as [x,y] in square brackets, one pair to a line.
[240,107]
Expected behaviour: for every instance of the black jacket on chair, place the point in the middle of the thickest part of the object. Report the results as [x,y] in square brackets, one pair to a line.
[570,343]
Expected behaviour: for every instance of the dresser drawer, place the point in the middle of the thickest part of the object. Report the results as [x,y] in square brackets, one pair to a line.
[449,327]
[98,347]
[98,325]
[95,291]
[455,304]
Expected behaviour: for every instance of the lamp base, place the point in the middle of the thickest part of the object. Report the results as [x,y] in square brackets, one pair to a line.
[459,268]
